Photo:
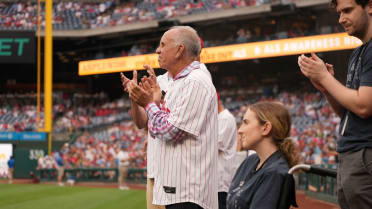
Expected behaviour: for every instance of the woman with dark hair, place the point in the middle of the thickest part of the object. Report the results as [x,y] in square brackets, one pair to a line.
[259,180]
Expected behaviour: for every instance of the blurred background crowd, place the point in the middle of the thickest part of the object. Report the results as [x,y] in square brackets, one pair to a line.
[92,113]
[105,126]
[89,15]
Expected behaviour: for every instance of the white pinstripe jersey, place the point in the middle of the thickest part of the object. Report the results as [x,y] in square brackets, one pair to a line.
[153,146]
[188,170]
[227,141]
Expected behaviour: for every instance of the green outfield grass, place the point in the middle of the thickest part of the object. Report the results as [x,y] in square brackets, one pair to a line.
[39,196]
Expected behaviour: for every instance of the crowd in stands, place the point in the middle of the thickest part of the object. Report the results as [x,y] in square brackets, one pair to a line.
[71,112]
[85,15]
[66,15]
[84,114]
[17,112]
[106,125]
[99,149]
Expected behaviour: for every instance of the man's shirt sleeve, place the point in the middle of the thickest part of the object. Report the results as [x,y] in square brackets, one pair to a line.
[159,127]
[226,132]
[366,72]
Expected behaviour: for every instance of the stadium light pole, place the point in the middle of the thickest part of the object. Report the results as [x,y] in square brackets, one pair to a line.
[38,66]
[48,72]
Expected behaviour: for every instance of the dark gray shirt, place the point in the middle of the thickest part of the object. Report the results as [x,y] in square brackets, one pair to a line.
[251,189]
[356,132]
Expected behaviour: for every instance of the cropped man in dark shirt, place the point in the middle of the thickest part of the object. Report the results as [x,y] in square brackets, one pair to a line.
[353,103]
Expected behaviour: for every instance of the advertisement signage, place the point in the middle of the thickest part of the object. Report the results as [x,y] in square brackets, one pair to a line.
[6,150]
[32,136]
[17,47]
[23,136]
[8,136]
[235,52]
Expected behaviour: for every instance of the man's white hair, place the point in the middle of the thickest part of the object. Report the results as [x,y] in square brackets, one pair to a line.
[189,38]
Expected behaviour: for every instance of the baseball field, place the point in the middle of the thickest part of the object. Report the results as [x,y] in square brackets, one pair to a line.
[42,196]
[25,195]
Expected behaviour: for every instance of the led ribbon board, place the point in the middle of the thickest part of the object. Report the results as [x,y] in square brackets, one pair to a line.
[254,50]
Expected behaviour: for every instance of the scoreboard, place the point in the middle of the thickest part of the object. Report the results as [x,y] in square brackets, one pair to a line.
[17,47]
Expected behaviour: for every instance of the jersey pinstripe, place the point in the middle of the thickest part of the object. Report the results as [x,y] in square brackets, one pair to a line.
[190,167]
[153,146]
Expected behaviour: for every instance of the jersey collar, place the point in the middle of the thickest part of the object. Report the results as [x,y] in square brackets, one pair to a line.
[187,70]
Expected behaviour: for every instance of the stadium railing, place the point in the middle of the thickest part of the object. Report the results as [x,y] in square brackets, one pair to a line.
[319,186]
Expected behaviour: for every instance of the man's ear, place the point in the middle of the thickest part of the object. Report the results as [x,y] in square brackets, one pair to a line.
[369,7]
[180,51]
